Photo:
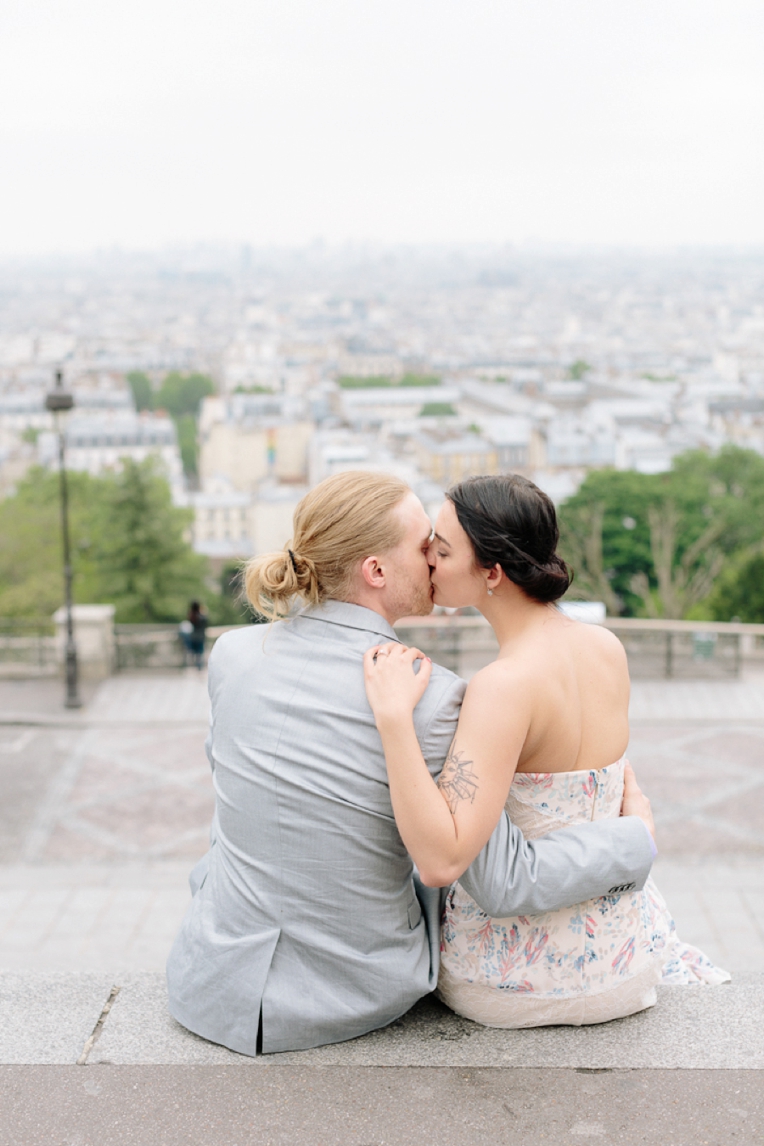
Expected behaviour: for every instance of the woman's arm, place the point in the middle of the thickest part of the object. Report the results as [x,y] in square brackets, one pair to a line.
[444,827]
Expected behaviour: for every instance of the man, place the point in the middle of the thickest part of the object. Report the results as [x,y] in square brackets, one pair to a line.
[305,927]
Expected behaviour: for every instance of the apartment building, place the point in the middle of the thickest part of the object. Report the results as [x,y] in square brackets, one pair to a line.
[247,439]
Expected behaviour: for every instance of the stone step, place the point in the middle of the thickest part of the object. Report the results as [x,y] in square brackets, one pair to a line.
[49,1019]
[378,1106]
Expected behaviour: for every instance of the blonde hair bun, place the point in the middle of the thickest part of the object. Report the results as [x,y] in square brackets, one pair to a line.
[344,519]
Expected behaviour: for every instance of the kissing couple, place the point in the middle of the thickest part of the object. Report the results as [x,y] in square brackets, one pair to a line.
[381,829]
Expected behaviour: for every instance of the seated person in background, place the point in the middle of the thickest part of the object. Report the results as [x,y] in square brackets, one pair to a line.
[193,632]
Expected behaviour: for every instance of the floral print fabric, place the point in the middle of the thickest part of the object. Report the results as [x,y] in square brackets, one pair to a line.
[611,951]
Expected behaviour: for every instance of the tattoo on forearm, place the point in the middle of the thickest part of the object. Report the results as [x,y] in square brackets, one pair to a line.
[458,781]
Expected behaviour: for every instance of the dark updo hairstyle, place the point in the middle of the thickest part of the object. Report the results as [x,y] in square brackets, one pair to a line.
[512,523]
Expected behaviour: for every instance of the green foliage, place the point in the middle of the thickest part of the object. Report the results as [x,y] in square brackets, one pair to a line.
[144,564]
[127,539]
[419,380]
[179,394]
[604,552]
[31,434]
[433,409]
[187,443]
[143,391]
[232,607]
[182,394]
[382,381]
[354,382]
[253,390]
[31,561]
[739,592]
[655,544]
[578,369]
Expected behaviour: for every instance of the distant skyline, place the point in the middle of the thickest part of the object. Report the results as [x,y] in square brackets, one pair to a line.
[280,122]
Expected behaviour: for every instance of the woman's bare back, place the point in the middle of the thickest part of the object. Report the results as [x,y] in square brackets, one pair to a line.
[579,684]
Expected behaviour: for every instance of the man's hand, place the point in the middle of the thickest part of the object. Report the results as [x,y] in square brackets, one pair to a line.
[635,802]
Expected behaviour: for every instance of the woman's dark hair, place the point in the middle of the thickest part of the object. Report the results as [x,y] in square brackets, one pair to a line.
[512,523]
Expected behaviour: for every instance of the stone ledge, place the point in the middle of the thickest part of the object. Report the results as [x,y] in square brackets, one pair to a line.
[48,1018]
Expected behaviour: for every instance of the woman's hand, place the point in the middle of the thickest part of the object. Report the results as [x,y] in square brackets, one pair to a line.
[635,802]
[392,687]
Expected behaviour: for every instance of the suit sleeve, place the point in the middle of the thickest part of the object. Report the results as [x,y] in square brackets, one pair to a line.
[515,876]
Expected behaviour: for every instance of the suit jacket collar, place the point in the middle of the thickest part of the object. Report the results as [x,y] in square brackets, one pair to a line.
[350,616]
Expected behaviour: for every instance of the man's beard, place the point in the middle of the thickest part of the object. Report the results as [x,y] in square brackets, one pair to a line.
[421,603]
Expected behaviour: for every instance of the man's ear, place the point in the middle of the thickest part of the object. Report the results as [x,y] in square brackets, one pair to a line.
[372,573]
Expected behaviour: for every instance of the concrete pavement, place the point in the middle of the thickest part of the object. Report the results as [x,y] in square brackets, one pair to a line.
[378,1106]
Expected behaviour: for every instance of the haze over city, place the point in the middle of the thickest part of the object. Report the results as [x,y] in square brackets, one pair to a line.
[282,123]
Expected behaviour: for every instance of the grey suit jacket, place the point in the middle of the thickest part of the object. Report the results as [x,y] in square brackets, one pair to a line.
[305,916]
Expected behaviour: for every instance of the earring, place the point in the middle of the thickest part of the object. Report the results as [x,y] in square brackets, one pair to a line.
[490,592]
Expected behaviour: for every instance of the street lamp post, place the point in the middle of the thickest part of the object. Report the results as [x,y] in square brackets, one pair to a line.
[58,401]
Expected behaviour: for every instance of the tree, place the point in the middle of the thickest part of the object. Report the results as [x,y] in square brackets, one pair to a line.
[232,606]
[182,394]
[739,592]
[683,581]
[143,563]
[583,552]
[187,443]
[128,542]
[578,369]
[355,382]
[382,381]
[436,409]
[143,391]
[660,541]
[605,537]
[31,560]
[420,380]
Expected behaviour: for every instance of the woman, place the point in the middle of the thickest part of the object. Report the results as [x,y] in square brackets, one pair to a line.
[543,730]
[193,632]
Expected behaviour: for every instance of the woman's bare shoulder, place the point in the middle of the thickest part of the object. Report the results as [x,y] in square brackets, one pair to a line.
[601,641]
[503,676]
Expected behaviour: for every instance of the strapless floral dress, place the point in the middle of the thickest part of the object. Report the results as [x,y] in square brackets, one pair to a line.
[596,961]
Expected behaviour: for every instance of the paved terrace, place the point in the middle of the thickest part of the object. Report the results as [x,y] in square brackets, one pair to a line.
[104,812]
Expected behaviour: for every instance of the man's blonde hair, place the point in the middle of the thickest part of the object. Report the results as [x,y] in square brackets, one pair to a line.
[346,518]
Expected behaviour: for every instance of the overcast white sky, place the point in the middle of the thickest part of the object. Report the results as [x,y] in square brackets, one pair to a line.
[281,121]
